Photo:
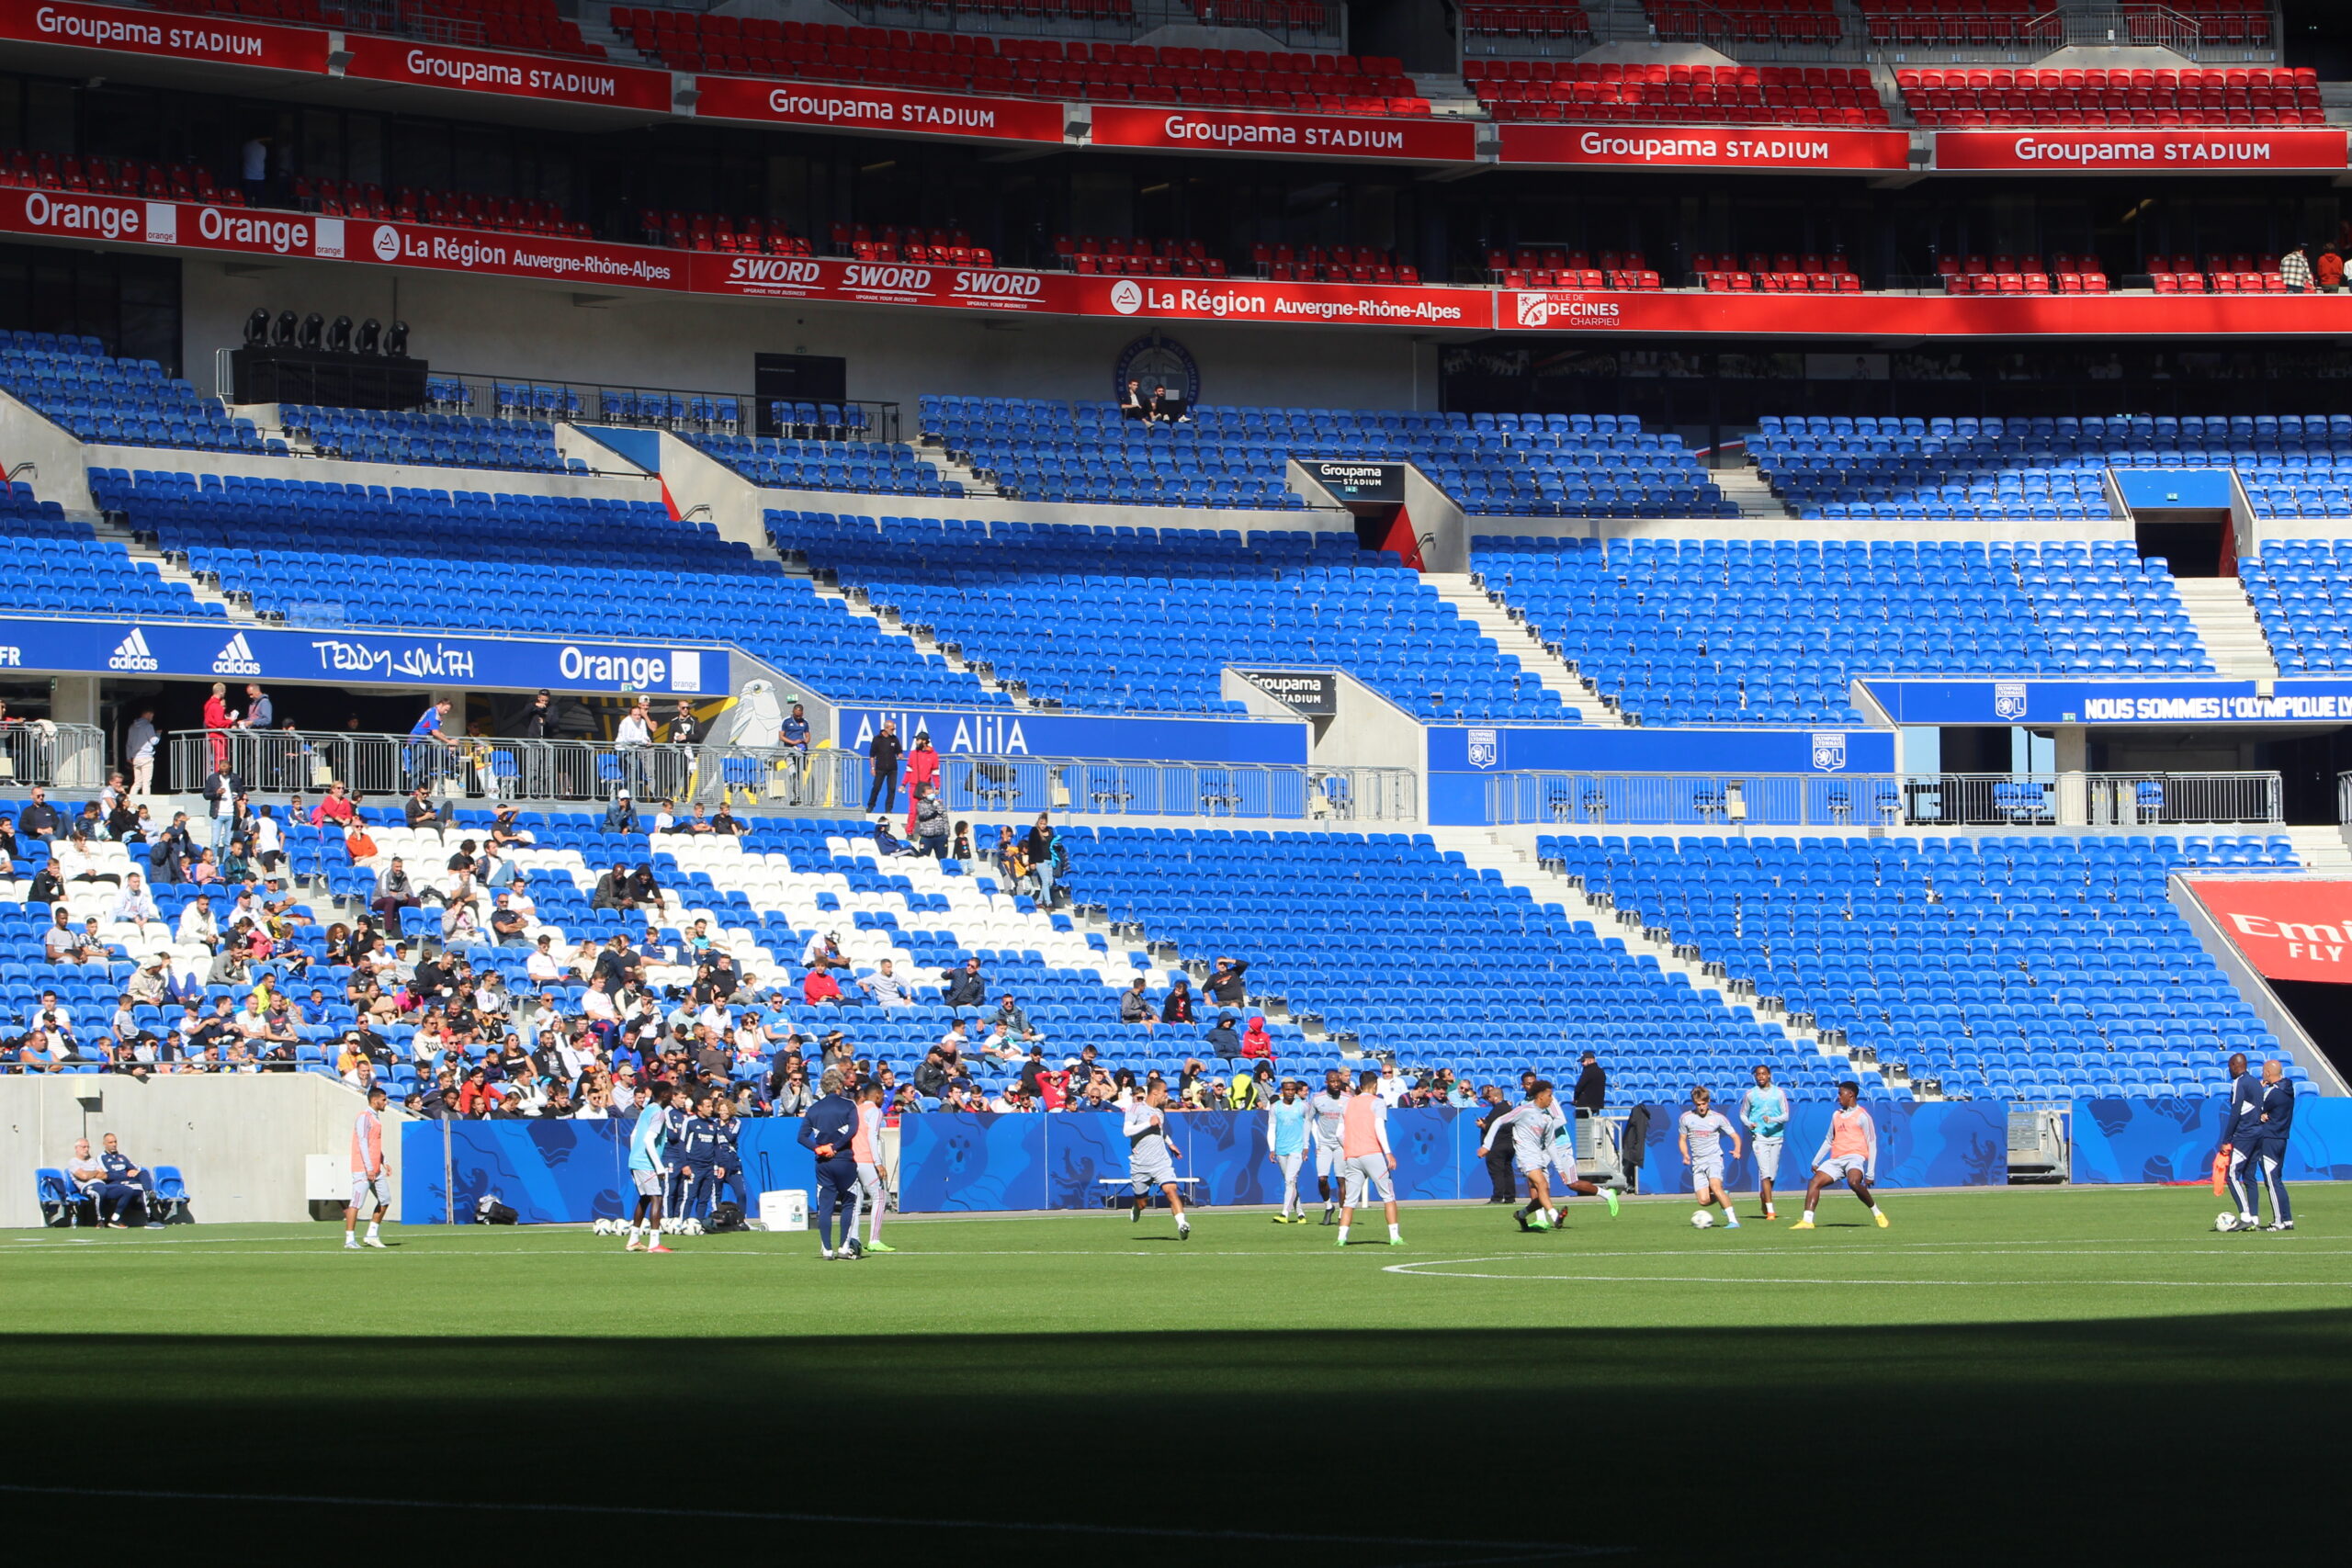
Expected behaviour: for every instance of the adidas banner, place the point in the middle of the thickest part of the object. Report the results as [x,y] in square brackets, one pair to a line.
[223,651]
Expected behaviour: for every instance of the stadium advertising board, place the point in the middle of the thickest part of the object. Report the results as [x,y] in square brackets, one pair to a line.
[1223,300]
[2194,700]
[840,105]
[1918,315]
[1004,732]
[2170,1142]
[1703,147]
[565,80]
[1350,480]
[1404,139]
[1311,693]
[2289,929]
[213,38]
[2107,150]
[346,658]
[884,283]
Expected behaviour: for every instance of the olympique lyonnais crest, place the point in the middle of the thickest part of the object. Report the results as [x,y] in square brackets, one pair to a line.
[1485,750]
[1829,752]
[2008,699]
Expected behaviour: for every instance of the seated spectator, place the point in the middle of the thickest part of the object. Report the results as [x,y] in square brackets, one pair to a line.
[1177,1008]
[1225,986]
[48,886]
[999,1045]
[507,924]
[723,820]
[62,943]
[819,989]
[394,893]
[544,968]
[613,891]
[1012,1020]
[887,841]
[1256,1042]
[621,817]
[643,889]
[85,1170]
[1134,1007]
[886,988]
[1222,1038]
[966,987]
[125,1184]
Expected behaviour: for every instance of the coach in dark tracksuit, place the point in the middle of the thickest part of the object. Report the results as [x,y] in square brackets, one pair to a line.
[2277,1119]
[2241,1137]
[1499,1173]
[701,1152]
[826,1130]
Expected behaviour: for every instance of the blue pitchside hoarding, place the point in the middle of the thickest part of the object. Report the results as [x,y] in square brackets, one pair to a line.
[2083,700]
[228,649]
[1004,732]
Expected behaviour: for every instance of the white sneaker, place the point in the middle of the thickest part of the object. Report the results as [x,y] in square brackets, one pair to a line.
[351,1244]
[375,1241]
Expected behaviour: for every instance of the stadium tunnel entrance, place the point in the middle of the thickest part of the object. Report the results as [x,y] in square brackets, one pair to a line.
[2307,758]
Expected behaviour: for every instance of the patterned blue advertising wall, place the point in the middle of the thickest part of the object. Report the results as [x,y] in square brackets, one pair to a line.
[355,658]
[1943,1143]
[2195,700]
[1462,758]
[565,1172]
[2173,1140]
[1004,733]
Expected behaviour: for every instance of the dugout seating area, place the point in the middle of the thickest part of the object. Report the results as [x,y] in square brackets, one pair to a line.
[1496,464]
[1036,602]
[2016,967]
[1769,631]
[410,557]
[2042,469]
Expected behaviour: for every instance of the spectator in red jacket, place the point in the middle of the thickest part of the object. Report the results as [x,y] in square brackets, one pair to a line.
[335,808]
[1256,1041]
[217,719]
[922,768]
[819,989]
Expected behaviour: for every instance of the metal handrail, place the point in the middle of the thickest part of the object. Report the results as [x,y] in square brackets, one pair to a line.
[51,756]
[1886,800]
[822,781]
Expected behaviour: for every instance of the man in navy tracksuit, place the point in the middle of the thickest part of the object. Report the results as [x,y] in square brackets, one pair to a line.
[2269,1162]
[826,1130]
[726,1164]
[675,1118]
[700,1154]
[2242,1134]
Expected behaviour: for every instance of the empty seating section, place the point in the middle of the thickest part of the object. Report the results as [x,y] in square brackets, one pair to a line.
[718,232]
[1049,68]
[1136,258]
[888,243]
[2301,590]
[2242,272]
[1769,632]
[506,24]
[1960,99]
[2044,468]
[366,435]
[1745,21]
[1557,267]
[57,566]
[1785,273]
[450,209]
[1502,465]
[1547,20]
[1584,90]
[2065,274]
[1960,23]
[116,176]
[1335,264]
[2050,470]
[879,468]
[1137,619]
[2006,966]
[416,558]
[1394,941]
[125,402]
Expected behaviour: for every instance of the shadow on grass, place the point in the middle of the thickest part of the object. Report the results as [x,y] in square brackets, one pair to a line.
[1937,1444]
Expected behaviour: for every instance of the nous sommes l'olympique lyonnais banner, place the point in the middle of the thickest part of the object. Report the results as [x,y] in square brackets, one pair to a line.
[2297,929]
[2107,148]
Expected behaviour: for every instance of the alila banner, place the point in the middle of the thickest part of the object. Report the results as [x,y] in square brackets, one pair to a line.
[214,38]
[2289,927]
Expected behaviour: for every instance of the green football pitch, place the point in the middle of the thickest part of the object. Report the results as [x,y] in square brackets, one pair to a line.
[2052,1376]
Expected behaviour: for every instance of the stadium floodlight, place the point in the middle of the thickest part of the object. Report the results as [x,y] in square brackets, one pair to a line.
[396,341]
[282,333]
[370,331]
[314,331]
[257,328]
[339,335]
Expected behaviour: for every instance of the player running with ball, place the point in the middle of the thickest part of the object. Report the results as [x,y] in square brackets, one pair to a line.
[1703,1130]
[1850,1154]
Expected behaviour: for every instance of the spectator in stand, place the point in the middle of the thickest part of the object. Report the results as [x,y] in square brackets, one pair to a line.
[217,720]
[136,908]
[40,821]
[613,890]
[253,171]
[621,817]
[1256,1042]
[334,808]
[1222,1039]
[394,893]
[632,739]
[819,989]
[1134,1007]
[795,730]
[1012,1020]
[882,754]
[961,851]
[887,842]
[1177,1008]
[931,819]
[2295,270]
[1225,986]
[1592,1085]
[966,987]
[47,886]
[1132,403]
[2328,270]
[140,744]
[1041,847]
[61,944]
[923,767]
[886,988]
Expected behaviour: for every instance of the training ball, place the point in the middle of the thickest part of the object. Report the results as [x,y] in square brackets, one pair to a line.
[2225,1222]
[694,1227]
[602,1227]
[1702,1221]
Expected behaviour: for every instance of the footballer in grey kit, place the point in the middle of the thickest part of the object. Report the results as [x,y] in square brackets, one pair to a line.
[1328,1107]
[1151,1157]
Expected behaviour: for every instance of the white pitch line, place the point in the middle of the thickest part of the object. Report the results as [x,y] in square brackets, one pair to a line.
[1449,1269]
[1513,1551]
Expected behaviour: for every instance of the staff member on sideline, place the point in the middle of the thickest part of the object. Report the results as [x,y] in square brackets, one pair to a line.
[829,1131]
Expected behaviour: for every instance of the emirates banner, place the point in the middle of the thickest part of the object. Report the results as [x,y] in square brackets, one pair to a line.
[2106,149]
[519,75]
[2291,929]
[1692,147]
[842,106]
[1406,139]
[217,39]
